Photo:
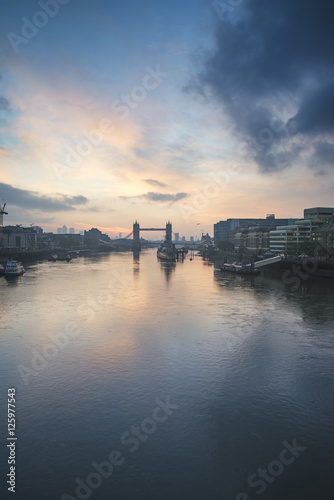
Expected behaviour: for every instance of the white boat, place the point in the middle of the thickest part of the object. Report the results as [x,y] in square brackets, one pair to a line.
[14,268]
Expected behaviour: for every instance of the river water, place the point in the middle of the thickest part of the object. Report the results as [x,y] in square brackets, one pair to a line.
[140,380]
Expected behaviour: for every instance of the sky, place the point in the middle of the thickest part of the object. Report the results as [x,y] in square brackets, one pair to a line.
[192,111]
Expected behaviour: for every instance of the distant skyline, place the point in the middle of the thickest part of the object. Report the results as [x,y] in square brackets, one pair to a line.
[192,112]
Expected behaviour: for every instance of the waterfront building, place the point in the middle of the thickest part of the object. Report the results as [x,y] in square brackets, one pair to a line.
[37,229]
[222,229]
[254,238]
[58,230]
[288,239]
[315,226]
[258,239]
[64,230]
[95,236]
[72,231]
[325,236]
[320,214]
[19,238]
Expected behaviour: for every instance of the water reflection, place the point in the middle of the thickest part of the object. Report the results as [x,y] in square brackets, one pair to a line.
[313,300]
[168,268]
[136,262]
[13,280]
[248,362]
[136,256]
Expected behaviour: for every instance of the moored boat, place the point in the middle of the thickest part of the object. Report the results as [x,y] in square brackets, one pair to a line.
[66,257]
[240,269]
[14,268]
[2,270]
[167,251]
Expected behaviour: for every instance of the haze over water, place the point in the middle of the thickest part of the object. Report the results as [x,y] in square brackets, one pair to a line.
[246,362]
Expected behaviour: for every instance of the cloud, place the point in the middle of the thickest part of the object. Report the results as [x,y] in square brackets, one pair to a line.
[32,200]
[101,210]
[164,197]
[153,182]
[4,104]
[158,197]
[323,157]
[273,63]
[316,113]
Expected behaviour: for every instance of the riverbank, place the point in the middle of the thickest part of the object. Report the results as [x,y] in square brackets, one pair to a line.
[291,266]
[44,254]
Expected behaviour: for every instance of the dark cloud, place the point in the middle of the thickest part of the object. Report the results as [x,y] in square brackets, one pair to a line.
[323,157]
[316,113]
[270,56]
[164,197]
[153,182]
[4,104]
[158,197]
[32,200]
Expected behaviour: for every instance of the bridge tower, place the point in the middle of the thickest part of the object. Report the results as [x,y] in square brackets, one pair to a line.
[136,236]
[169,231]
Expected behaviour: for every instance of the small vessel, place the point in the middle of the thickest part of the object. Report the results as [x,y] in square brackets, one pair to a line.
[2,270]
[167,251]
[65,257]
[14,268]
[53,258]
[240,269]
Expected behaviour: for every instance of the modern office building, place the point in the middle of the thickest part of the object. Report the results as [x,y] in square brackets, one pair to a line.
[64,230]
[58,230]
[72,231]
[222,229]
[324,235]
[320,214]
[286,239]
[315,226]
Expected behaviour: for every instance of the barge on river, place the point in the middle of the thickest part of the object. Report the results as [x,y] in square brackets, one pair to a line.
[235,268]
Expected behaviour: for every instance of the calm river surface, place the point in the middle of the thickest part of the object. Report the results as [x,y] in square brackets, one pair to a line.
[194,383]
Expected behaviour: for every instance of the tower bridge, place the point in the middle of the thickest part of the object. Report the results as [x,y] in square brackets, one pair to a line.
[137,229]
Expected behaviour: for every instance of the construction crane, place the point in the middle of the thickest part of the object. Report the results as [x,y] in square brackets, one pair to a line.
[2,213]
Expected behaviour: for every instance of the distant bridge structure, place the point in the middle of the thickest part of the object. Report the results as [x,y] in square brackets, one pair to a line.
[137,229]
